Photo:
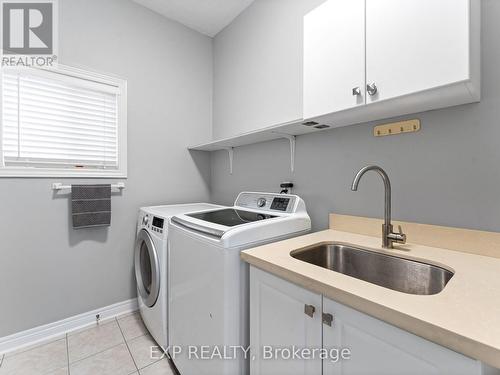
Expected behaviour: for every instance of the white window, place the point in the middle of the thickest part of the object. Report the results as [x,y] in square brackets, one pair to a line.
[62,122]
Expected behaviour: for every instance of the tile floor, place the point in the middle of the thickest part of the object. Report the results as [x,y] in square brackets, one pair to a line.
[118,346]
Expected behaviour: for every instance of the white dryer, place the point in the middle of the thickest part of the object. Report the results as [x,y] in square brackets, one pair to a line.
[151,264]
[209,283]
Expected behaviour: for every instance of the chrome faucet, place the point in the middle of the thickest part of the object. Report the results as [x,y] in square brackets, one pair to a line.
[388,236]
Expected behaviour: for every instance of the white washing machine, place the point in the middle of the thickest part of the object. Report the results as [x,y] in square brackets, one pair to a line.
[209,286]
[151,265]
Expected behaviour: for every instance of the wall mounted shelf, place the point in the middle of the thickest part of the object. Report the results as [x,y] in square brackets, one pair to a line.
[288,130]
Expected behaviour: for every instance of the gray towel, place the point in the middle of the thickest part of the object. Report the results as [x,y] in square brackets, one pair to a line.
[91,205]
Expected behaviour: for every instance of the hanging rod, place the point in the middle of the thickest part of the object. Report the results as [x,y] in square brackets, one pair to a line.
[60,186]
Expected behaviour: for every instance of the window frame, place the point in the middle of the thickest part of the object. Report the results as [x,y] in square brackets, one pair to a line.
[73,172]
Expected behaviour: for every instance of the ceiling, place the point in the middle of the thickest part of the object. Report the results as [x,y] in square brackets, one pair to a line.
[206,16]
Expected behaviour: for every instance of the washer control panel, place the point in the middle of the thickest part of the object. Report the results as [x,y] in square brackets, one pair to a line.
[261,202]
[267,202]
[280,204]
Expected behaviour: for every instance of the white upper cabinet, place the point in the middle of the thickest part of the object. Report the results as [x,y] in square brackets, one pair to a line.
[407,56]
[334,57]
[416,45]
[341,62]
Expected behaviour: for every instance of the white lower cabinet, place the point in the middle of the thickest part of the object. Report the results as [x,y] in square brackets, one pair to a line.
[280,317]
[380,348]
[278,320]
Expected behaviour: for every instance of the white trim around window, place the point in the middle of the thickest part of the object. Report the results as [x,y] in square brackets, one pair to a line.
[26,166]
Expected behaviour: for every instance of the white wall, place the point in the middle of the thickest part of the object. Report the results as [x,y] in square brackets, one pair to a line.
[258,67]
[49,271]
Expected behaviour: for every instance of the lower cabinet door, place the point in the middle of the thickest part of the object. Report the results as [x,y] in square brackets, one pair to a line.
[378,348]
[284,318]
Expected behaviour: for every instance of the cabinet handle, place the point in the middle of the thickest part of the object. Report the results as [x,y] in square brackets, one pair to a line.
[328,319]
[309,310]
[356,91]
[372,89]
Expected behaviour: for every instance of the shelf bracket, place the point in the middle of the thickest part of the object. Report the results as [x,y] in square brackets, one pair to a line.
[230,153]
[292,139]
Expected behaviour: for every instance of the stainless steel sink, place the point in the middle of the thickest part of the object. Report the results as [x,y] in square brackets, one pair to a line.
[403,275]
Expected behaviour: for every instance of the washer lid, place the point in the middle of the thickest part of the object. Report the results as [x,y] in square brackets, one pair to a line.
[218,222]
[254,217]
[230,217]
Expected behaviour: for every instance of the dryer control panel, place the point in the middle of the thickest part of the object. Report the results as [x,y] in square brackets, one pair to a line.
[156,224]
[284,203]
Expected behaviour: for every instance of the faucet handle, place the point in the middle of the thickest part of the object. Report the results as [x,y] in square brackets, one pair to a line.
[401,234]
[398,237]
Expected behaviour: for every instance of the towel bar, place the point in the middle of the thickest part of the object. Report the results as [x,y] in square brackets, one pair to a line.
[60,186]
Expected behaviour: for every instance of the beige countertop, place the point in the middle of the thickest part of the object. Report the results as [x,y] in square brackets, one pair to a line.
[464,317]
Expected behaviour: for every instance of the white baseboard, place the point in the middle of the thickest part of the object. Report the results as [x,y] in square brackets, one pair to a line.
[52,330]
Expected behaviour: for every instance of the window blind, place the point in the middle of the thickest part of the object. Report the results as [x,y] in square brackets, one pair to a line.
[54,120]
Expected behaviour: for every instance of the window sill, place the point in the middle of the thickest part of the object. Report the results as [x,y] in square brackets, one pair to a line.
[13,172]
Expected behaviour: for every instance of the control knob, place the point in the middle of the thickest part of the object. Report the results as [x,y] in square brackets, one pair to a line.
[261,202]
[145,220]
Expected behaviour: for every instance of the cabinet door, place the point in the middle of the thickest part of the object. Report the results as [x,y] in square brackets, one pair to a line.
[334,57]
[378,348]
[278,320]
[416,45]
